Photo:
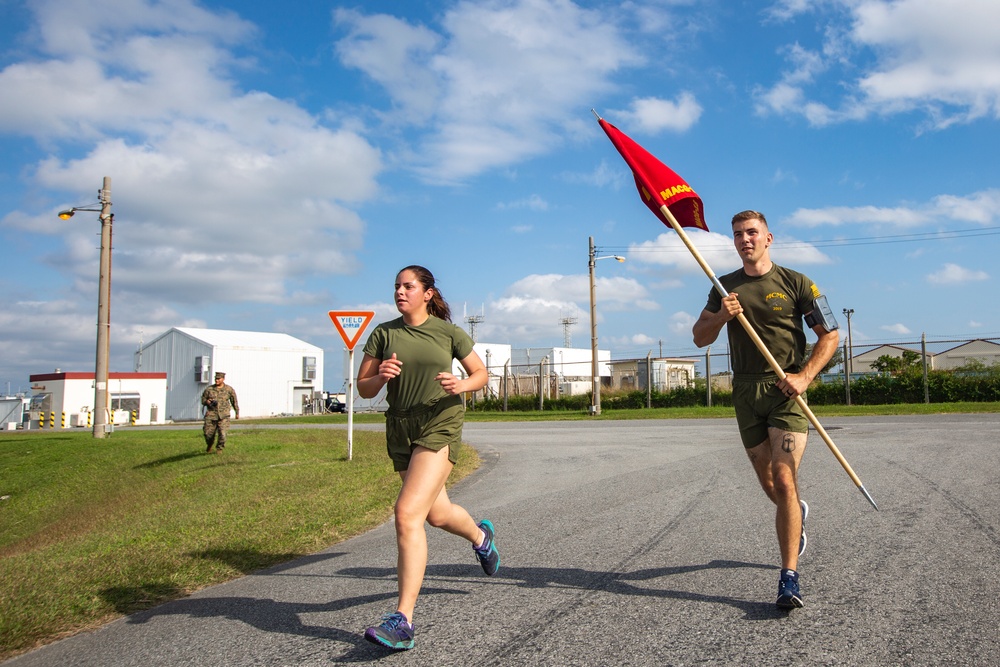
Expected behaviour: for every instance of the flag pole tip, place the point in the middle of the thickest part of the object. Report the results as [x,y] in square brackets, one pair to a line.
[596,115]
[868,496]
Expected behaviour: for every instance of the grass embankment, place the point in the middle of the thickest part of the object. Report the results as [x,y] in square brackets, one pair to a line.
[94,529]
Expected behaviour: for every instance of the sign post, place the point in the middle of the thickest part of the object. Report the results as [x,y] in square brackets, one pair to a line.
[351,324]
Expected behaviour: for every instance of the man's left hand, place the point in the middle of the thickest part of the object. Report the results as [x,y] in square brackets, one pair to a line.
[793,384]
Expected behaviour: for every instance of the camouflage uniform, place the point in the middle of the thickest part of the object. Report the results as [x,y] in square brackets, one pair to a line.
[218,402]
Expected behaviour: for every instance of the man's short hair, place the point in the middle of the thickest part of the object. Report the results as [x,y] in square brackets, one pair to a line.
[743,216]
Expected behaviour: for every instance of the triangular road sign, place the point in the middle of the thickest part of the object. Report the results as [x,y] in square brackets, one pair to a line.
[351,324]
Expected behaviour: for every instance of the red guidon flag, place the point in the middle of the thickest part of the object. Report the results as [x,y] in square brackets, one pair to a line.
[658,185]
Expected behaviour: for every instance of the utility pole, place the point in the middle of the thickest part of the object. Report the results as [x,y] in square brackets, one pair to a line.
[849,357]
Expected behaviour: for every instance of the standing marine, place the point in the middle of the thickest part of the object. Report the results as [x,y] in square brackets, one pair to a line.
[219,400]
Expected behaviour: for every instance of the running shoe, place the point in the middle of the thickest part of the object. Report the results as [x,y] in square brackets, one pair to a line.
[393,632]
[487,554]
[789,596]
[802,538]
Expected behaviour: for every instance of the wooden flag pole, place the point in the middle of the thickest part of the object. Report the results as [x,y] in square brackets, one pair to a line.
[767,353]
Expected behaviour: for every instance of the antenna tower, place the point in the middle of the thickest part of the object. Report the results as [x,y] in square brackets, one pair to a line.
[472,321]
[566,323]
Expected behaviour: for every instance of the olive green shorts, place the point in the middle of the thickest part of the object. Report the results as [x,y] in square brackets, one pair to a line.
[760,404]
[433,426]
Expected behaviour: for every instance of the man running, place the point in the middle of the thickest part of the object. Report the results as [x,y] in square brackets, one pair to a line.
[772,426]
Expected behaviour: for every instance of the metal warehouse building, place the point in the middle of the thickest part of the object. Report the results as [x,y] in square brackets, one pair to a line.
[272,373]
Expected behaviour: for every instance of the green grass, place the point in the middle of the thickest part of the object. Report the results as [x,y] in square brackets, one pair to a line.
[94,529]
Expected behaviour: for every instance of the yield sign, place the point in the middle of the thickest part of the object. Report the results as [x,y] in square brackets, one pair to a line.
[351,324]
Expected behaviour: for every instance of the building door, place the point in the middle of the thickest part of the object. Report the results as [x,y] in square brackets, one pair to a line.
[301,396]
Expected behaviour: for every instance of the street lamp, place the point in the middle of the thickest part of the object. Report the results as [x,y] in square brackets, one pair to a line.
[103,306]
[849,361]
[595,400]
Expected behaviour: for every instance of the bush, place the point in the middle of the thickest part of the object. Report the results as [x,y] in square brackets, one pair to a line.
[617,400]
[976,385]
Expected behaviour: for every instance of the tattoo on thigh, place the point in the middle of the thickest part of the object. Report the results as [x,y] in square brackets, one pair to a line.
[788,443]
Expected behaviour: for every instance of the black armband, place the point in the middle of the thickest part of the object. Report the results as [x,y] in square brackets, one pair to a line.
[822,315]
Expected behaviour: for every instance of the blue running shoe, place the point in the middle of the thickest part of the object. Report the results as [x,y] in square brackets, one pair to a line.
[393,632]
[802,538]
[789,596]
[487,554]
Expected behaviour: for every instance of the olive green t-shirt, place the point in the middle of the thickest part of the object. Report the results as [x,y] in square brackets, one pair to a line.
[774,304]
[425,351]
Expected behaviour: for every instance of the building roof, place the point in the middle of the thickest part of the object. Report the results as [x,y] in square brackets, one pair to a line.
[253,340]
[878,351]
[89,375]
[981,343]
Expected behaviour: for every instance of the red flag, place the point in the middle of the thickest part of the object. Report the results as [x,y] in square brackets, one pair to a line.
[658,185]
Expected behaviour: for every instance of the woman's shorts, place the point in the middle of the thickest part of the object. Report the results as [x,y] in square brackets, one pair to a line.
[760,404]
[433,426]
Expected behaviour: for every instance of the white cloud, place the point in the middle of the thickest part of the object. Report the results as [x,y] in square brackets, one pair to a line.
[681,324]
[603,175]
[533,203]
[146,89]
[898,329]
[669,252]
[498,81]
[941,59]
[953,274]
[531,308]
[979,208]
[652,115]
[839,215]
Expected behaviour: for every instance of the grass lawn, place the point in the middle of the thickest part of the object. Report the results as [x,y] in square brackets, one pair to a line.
[94,529]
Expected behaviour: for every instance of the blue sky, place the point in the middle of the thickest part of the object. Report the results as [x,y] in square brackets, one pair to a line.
[270,164]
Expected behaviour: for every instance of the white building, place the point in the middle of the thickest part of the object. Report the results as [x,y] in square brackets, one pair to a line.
[667,373]
[568,363]
[272,373]
[862,363]
[67,399]
[983,351]
[13,412]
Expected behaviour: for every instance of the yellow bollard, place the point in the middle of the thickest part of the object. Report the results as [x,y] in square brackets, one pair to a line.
[62,421]
[135,416]
[52,419]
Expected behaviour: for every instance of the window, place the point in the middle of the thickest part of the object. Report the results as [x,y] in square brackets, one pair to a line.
[308,368]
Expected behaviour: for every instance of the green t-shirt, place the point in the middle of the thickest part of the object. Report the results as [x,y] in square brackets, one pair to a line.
[425,351]
[774,304]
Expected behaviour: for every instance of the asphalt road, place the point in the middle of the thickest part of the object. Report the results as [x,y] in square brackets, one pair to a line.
[637,543]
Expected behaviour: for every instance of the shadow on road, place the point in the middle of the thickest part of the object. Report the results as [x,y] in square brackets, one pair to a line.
[617,583]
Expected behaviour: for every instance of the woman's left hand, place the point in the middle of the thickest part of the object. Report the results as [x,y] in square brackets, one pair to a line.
[449,383]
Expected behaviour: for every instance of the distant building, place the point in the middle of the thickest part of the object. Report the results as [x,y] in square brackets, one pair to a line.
[567,363]
[13,412]
[862,363]
[667,373]
[67,399]
[272,373]
[984,351]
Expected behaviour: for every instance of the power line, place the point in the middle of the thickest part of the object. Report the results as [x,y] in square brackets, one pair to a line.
[914,237]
